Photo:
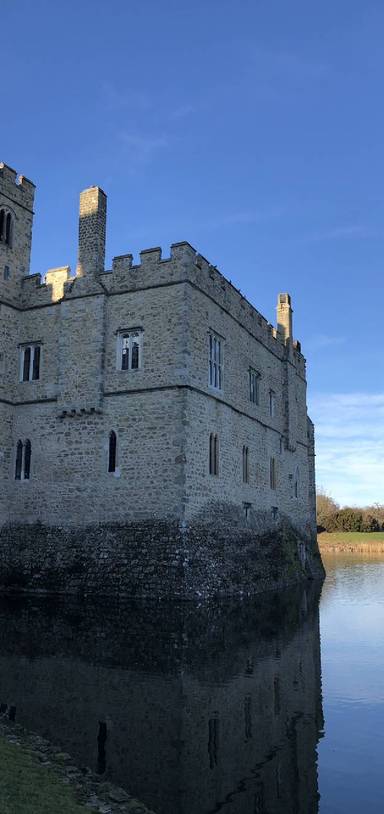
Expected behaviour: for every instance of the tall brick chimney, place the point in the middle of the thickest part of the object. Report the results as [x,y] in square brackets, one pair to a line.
[284,316]
[92,225]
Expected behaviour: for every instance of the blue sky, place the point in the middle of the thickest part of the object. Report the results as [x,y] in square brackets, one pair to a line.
[252,129]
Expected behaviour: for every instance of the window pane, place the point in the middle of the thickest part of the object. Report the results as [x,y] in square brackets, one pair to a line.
[216,455]
[8,229]
[27,460]
[112,452]
[36,363]
[26,364]
[19,458]
[135,356]
[125,354]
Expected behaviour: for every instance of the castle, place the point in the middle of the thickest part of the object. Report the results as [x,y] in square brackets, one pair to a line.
[153,399]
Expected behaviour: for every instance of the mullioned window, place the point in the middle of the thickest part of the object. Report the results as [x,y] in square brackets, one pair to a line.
[30,356]
[130,350]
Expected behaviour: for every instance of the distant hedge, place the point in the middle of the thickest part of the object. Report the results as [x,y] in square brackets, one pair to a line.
[350,519]
[330,517]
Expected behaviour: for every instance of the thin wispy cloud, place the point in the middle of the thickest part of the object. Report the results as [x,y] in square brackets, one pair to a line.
[321,341]
[351,232]
[241,217]
[115,97]
[288,66]
[350,446]
[182,111]
[141,148]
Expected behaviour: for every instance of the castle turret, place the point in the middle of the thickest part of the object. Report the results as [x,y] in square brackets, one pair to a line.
[284,316]
[16,217]
[92,225]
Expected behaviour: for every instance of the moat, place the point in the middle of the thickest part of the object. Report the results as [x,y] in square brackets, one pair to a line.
[256,707]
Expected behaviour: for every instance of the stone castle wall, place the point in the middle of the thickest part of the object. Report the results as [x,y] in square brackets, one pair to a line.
[162,413]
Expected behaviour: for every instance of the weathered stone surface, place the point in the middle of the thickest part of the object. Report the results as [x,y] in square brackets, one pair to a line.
[160,518]
[155,558]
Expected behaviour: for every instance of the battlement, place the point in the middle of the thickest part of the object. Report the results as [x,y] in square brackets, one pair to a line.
[183,264]
[19,188]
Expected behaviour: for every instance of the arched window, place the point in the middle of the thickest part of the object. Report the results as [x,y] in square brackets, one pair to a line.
[23,460]
[27,460]
[112,452]
[245,465]
[19,460]
[213,454]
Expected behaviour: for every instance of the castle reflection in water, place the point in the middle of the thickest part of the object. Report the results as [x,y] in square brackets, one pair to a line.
[194,709]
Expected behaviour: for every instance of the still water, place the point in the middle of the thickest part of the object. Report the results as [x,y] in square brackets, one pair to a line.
[240,708]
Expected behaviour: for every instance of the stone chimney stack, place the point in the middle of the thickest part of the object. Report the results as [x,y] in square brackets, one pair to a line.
[92,225]
[284,317]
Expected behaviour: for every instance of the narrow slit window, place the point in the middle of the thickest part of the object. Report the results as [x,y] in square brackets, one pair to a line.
[135,355]
[19,460]
[27,460]
[272,403]
[254,385]
[213,454]
[26,364]
[296,484]
[36,363]
[2,222]
[125,353]
[8,229]
[245,465]
[272,473]
[112,453]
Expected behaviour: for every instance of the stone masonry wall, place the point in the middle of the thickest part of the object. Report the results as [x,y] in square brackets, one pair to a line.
[156,558]
[162,413]
[16,197]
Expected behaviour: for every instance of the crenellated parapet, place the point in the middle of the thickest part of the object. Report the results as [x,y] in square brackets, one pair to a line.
[185,264]
[19,189]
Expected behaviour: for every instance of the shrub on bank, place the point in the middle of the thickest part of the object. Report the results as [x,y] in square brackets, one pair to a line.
[350,519]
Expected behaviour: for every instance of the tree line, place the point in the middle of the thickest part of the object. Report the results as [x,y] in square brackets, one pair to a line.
[330,517]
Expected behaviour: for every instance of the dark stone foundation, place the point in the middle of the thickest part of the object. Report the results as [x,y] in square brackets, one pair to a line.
[155,559]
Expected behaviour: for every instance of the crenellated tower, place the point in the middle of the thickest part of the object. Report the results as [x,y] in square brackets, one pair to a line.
[16,217]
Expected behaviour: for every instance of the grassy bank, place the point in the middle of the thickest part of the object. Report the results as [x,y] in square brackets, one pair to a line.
[351,541]
[25,786]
